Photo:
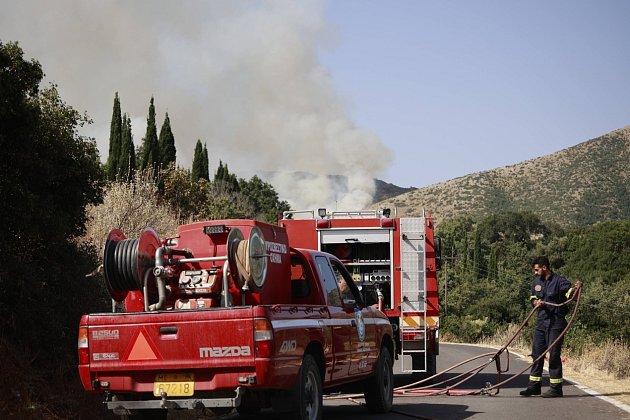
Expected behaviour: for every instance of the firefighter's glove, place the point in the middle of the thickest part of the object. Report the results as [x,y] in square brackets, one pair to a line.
[537,303]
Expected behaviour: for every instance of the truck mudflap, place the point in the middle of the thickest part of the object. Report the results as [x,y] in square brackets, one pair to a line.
[130,407]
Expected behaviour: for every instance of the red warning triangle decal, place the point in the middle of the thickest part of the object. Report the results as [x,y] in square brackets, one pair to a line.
[141,349]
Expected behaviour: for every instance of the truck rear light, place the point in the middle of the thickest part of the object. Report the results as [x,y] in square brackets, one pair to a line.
[388,223]
[263,337]
[413,335]
[323,224]
[83,344]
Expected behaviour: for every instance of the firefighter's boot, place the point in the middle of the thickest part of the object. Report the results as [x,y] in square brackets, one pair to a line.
[532,389]
[553,392]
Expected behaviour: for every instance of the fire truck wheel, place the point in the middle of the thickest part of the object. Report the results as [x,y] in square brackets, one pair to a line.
[308,393]
[379,388]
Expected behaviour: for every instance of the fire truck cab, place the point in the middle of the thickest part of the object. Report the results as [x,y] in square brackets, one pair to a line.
[393,261]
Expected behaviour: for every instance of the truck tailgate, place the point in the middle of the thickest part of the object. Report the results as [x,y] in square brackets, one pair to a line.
[130,351]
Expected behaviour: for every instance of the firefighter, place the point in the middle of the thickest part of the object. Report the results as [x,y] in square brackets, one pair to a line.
[548,287]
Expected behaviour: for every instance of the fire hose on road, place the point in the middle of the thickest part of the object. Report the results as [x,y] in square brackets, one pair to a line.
[447,387]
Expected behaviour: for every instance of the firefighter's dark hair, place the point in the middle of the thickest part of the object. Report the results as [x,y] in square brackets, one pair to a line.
[542,260]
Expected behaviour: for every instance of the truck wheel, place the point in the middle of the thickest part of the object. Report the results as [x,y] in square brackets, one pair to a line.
[379,388]
[308,393]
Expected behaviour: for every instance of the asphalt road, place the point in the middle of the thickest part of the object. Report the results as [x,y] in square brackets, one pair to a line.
[507,404]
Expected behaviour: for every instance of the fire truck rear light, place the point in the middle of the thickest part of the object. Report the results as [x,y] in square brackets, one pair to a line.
[387,223]
[263,337]
[262,329]
[212,230]
[323,224]
[83,344]
[412,336]
[83,337]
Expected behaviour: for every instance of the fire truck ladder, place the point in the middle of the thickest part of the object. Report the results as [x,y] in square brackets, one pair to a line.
[413,325]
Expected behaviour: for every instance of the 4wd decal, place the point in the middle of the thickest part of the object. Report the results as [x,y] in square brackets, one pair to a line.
[288,346]
[226,351]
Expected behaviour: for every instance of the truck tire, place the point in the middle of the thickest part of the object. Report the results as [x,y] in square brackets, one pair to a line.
[308,391]
[379,388]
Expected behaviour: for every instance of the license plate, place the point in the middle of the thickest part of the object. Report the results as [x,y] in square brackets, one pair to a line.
[174,384]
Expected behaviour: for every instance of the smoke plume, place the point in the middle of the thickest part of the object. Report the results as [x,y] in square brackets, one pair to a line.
[241,76]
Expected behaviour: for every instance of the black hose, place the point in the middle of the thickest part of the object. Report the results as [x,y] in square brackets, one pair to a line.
[121,265]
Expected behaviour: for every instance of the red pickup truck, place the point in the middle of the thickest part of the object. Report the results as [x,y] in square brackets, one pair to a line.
[213,320]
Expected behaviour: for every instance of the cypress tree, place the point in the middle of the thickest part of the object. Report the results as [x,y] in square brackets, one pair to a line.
[493,268]
[115,140]
[166,143]
[476,267]
[197,165]
[225,179]
[205,173]
[127,158]
[150,146]
[219,175]
[132,151]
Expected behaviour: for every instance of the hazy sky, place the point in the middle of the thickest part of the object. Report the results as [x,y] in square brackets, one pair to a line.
[411,92]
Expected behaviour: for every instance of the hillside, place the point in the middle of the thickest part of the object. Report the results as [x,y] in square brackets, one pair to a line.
[581,185]
[385,190]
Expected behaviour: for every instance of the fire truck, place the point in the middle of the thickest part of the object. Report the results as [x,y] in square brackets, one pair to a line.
[394,263]
[228,314]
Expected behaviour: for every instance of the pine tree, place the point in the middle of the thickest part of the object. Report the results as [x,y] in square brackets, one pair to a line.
[127,158]
[115,140]
[166,144]
[197,165]
[150,146]
[205,173]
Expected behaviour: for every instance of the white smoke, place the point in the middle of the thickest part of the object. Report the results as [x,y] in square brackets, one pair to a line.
[241,76]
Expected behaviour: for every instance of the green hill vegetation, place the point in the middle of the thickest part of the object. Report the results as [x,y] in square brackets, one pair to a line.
[578,186]
[488,273]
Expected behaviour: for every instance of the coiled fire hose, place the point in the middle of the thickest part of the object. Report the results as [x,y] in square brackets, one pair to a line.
[414,390]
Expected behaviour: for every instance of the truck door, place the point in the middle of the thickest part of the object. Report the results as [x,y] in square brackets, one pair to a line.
[363,336]
[340,321]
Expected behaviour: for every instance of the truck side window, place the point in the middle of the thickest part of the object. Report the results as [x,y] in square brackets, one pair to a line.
[300,283]
[330,281]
